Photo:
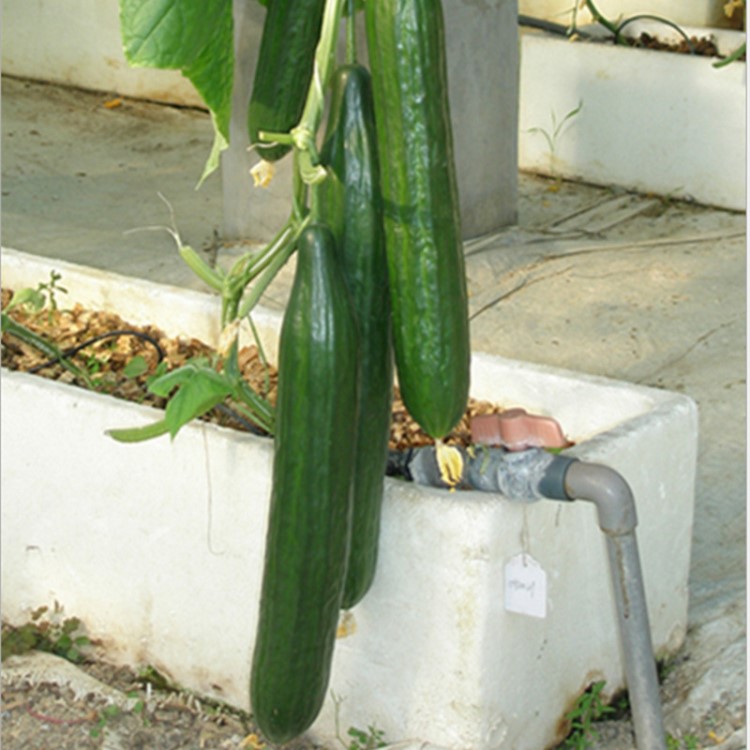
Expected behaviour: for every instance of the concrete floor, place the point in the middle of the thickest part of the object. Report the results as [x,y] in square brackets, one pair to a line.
[632,287]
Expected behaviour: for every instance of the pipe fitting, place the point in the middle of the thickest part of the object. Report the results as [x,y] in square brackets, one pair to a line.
[608,490]
[524,476]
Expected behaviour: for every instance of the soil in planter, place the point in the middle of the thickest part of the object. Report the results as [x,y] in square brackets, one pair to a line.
[106,359]
[703,46]
[700,46]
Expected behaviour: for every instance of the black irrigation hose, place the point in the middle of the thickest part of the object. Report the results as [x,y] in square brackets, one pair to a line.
[553,28]
[246,423]
[73,350]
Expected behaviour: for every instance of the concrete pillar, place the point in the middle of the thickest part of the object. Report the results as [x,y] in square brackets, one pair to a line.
[483,72]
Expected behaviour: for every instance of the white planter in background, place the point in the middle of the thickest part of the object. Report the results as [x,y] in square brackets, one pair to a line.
[651,121]
[158,546]
[689,12]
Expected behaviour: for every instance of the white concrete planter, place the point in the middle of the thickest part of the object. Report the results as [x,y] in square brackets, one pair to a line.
[686,12]
[651,121]
[158,547]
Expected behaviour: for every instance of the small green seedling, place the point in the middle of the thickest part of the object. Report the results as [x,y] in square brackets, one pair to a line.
[553,136]
[359,739]
[588,709]
[105,715]
[365,740]
[36,300]
[687,742]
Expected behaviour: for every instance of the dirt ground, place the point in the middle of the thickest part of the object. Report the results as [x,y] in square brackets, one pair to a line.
[51,704]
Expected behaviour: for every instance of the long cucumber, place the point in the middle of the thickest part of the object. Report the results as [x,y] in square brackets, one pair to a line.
[350,198]
[283,70]
[421,208]
[310,514]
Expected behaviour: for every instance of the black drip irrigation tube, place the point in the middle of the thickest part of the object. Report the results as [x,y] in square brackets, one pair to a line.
[73,350]
[535,474]
[552,27]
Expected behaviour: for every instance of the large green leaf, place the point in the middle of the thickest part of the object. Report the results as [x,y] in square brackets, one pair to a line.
[193,36]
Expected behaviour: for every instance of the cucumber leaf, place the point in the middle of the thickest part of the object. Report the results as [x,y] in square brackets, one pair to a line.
[139,434]
[199,387]
[193,36]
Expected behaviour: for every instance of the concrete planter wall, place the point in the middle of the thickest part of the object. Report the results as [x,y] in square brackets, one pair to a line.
[651,121]
[158,547]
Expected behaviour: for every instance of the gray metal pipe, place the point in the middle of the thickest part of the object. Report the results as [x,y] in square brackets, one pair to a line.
[617,519]
[531,475]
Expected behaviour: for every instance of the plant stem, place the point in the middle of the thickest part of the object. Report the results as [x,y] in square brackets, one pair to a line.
[270,269]
[599,18]
[247,268]
[47,348]
[665,21]
[351,33]
[325,58]
[731,58]
[616,28]
[307,170]
[199,267]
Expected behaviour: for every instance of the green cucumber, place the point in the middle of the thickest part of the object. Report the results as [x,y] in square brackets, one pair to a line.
[350,198]
[421,209]
[310,514]
[283,70]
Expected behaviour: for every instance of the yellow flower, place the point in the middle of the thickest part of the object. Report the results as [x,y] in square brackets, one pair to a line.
[450,462]
[732,5]
[263,173]
[253,742]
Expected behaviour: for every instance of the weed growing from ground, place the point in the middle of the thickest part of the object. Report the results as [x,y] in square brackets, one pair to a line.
[588,709]
[47,631]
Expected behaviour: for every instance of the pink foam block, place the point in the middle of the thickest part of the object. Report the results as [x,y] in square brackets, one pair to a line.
[517,430]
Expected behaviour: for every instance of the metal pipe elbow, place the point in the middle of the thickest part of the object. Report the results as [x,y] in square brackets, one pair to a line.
[607,489]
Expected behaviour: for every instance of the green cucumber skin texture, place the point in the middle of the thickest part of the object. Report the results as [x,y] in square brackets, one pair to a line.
[310,514]
[283,70]
[351,197]
[421,209]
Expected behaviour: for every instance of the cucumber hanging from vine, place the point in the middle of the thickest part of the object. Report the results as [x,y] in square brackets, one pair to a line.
[310,514]
[349,198]
[421,210]
[283,71]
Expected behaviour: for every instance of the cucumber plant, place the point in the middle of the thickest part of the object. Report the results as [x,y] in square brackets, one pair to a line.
[379,280]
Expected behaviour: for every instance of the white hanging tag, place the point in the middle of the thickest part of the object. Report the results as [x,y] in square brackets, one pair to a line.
[525,586]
